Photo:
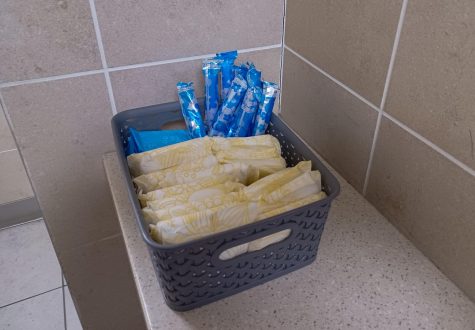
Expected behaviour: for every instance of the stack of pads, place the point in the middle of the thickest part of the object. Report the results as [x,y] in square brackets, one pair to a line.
[241,107]
[207,185]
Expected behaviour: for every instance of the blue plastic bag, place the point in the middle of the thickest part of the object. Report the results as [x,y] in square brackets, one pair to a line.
[140,141]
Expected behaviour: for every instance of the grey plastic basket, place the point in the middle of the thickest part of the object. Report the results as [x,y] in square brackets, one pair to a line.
[191,274]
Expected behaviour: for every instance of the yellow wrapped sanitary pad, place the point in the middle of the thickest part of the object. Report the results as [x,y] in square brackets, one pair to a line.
[195,206]
[255,147]
[302,186]
[199,224]
[274,181]
[220,143]
[266,166]
[195,191]
[244,173]
[200,193]
[169,156]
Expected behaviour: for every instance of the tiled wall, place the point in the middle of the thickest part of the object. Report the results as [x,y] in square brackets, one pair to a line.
[384,91]
[65,68]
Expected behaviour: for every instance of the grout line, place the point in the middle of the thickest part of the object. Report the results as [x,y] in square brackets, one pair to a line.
[100,45]
[444,153]
[156,63]
[15,149]
[281,73]
[126,67]
[110,92]
[393,54]
[22,199]
[64,302]
[256,49]
[371,153]
[36,295]
[52,78]
[339,83]
[186,59]
[385,94]
[21,224]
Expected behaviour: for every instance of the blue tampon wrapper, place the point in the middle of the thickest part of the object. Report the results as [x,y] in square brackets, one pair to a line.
[269,91]
[241,69]
[229,106]
[242,123]
[190,109]
[227,72]
[244,118]
[211,68]
[254,77]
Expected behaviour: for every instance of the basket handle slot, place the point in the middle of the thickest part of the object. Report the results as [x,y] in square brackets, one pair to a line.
[256,243]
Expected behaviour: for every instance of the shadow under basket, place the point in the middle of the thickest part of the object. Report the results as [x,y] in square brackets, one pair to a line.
[191,274]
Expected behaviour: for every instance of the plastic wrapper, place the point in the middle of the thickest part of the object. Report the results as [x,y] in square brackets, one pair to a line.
[211,69]
[251,142]
[151,181]
[190,109]
[245,152]
[246,174]
[199,224]
[264,113]
[170,156]
[266,166]
[197,190]
[241,69]
[229,106]
[302,186]
[140,141]
[272,182]
[213,193]
[161,213]
[227,71]
[244,118]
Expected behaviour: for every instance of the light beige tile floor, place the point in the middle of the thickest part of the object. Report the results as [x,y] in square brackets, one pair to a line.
[34,294]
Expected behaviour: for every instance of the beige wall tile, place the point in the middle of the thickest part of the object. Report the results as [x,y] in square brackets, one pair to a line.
[153,85]
[62,128]
[267,61]
[154,30]
[334,122]
[351,40]
[14,184]
[102,286]
[432,86]
[429,199]
[46,38]
[6,138]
